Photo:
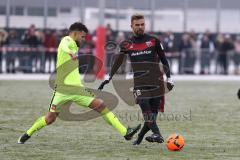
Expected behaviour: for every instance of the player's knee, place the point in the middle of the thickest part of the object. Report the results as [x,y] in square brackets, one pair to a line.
[50,118]
[97,105]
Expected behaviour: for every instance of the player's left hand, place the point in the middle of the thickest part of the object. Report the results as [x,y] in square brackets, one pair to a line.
[104,83]
[170,84]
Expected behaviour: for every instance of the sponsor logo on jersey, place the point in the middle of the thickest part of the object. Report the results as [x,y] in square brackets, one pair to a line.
[141,53]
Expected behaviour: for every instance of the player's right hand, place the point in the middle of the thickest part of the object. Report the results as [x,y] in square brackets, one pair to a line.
[170,84]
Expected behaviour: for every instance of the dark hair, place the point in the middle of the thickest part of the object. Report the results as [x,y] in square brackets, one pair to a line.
[77,26]
[136,17]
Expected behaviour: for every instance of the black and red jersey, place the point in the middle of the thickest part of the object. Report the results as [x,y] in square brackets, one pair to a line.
[144,48]
[145,52]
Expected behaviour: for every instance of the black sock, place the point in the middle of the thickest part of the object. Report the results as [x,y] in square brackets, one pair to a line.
[155,128]
[144,130]
[151,122]
[142,133]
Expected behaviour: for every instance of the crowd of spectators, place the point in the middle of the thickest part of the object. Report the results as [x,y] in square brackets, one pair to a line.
[34,51]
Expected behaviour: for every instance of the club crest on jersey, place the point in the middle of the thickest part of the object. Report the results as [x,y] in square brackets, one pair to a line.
[149,43]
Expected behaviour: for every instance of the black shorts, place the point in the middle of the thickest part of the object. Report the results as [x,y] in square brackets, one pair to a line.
[147,103]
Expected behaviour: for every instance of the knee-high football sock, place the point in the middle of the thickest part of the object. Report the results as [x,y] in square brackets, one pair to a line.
[144,130]
[111,119]
[39,124]
[150,120]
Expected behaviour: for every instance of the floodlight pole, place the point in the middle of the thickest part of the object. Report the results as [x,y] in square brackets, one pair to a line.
[45,12]
[8,5]
[218,15]
[101,12]
[185,15]
[152,19]
[117,14]
[82,11]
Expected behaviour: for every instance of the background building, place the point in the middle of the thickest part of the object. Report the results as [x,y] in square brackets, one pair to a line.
[161,15]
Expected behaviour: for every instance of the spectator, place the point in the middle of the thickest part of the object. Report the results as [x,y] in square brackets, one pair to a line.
[170,46]
[193,37]
[50,44]
[125,67]
[109,28]
[3,37]
[218,49]
[39,54]
[59,34]
[225,48]
[31,40]
[87,49]
[109,53]
[236,56]
[13,41]
[187,54]
[205,53]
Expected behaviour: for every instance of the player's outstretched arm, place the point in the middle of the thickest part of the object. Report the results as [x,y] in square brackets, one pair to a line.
[170,83]
[117,63]
[166,67]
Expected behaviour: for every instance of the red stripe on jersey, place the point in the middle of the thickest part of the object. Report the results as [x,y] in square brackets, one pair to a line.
[142,46]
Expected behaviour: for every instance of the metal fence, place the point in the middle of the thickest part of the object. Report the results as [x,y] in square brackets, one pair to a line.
[189,61]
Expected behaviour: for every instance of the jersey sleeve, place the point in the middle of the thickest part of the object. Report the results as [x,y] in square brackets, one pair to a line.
[162,57]
[159,48]
[65,45]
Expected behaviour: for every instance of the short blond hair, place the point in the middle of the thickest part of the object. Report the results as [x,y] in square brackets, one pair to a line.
[136,16]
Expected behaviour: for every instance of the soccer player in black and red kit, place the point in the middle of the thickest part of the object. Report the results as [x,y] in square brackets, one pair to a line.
[145,52]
